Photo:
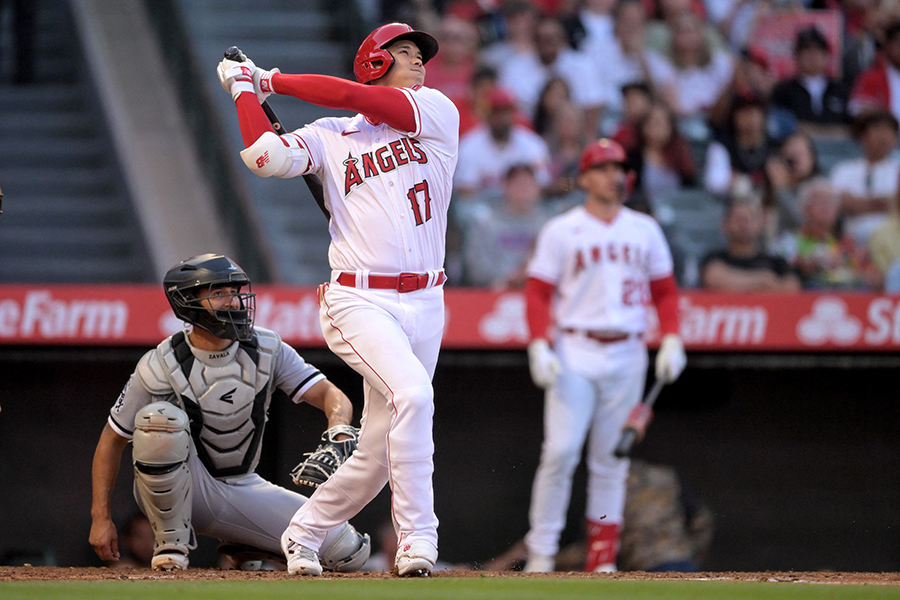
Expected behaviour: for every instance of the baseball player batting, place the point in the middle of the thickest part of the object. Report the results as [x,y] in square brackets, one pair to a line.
[594,270]
[387,176]
[195,409]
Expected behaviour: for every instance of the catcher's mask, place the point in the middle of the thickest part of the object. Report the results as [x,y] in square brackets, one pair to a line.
[192,281]
[373,61]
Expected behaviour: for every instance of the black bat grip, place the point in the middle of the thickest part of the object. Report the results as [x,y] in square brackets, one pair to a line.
[234,53]
[623,449]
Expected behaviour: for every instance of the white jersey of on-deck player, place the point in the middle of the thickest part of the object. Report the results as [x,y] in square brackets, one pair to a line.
[602,271]
[388,191]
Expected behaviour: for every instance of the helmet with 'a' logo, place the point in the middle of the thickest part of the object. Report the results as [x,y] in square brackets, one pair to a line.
[373,60]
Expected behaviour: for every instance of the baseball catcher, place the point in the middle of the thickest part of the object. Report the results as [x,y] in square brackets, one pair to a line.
[338,443]
[195,409]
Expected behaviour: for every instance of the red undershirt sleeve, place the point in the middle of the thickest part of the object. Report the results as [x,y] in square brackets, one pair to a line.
[664,293]
[538,296]
[379,103]
[251,118]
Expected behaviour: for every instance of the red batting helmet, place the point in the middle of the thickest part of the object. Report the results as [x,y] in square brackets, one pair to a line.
[602,151]
[373,61]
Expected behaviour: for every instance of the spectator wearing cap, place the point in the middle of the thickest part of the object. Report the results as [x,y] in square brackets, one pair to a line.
[867,184]
[878,87]
[488,151]
[812,96]
[736,158]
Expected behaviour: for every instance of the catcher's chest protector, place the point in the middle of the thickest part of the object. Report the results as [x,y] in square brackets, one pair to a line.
[226,401]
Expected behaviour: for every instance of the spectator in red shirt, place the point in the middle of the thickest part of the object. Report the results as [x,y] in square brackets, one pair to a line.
[878,88]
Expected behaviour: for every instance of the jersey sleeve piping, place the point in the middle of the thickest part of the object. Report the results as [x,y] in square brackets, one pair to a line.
[122,431]
[307,383]
[417,115]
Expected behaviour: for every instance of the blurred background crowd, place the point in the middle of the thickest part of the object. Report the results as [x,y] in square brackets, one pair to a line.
[762,134]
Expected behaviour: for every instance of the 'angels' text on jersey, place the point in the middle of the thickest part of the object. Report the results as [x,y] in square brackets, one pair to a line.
[602,271]
[383,160]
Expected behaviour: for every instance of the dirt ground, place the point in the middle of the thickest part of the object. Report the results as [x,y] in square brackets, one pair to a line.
[27,573]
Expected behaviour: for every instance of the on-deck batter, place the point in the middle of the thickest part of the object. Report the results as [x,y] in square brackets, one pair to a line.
[594,270]
[387,176]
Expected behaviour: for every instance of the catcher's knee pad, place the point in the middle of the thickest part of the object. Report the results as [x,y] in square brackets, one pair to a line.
[348,552]
[161,473]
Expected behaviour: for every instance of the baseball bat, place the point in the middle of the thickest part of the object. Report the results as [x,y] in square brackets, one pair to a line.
[312,181]
[637,421]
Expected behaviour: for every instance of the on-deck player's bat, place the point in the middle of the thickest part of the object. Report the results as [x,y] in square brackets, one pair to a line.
[637,421]
[312,181]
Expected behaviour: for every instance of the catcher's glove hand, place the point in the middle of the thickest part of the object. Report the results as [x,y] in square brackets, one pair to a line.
[331,453]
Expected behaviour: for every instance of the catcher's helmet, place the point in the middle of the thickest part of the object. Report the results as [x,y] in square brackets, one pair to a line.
[602,151]
[189,282]
[373,61]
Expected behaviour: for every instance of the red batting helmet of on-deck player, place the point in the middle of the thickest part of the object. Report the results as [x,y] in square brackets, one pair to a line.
[373,61]
[602,151]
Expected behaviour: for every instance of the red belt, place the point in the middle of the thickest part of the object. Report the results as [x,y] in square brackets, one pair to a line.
[604,338]
[404,282]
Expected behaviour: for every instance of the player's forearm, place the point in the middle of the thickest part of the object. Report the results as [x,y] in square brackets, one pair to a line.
[722,277]
[328,398]
[105,471]
[384,104]
[538,297]
[665,298]
[251,118]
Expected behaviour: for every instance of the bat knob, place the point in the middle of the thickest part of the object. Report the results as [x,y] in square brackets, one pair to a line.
[234,53]
[623,448]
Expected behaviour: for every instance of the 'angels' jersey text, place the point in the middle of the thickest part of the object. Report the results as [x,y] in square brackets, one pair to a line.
[383,160]
[601,271]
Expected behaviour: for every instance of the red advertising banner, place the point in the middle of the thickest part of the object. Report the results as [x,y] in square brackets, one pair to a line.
[100,315]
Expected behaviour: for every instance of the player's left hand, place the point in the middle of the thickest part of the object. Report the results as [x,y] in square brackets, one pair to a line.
[543,363]
[325,460]
[670,359]
[262,83]
[236,77]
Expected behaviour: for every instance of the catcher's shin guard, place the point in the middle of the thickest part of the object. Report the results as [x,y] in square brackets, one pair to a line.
[348,552]
[162,476]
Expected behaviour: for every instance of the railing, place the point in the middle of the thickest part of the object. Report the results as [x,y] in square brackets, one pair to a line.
[238,213]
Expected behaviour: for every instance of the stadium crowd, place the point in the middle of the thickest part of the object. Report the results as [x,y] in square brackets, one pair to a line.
[762,134]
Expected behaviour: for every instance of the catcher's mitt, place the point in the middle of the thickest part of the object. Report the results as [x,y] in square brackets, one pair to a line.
[321,464]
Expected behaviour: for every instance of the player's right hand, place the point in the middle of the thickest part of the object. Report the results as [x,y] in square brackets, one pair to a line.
[543,363]
[236,77]
[105,540]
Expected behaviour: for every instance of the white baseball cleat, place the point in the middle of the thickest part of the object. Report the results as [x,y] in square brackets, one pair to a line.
[300,559]
[606,568]
[170,560]
[415,559]
[539,563]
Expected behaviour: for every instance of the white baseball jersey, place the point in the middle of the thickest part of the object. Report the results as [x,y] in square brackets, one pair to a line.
[602,271]
[388,191]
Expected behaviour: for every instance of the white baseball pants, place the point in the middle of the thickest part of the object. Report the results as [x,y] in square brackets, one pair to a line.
[393,341]
[597,389]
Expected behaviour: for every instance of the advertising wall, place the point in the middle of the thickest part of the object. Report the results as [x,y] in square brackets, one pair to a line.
[475,319]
